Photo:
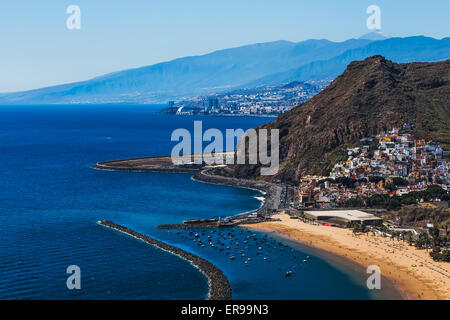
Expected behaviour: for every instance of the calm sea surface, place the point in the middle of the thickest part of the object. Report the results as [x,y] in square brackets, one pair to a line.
[50,200]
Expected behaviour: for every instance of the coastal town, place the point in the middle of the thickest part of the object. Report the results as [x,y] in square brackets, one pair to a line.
[259,101]
[302,213]
[392,164]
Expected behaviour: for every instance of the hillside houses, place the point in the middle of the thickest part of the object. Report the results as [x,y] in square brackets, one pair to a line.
[397,155]
[392,163]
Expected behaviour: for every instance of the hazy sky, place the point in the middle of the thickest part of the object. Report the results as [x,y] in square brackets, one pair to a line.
[38,50]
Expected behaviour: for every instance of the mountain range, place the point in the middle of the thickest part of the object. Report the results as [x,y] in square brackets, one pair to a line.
[248,66]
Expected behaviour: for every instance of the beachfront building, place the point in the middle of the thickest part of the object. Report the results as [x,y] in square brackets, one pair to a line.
[343,217]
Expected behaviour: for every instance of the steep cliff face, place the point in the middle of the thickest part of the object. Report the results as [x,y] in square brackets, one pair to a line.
[371,96]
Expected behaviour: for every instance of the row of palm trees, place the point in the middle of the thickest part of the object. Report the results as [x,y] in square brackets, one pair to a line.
[428,240]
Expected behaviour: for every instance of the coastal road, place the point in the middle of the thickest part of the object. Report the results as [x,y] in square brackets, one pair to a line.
[276,197]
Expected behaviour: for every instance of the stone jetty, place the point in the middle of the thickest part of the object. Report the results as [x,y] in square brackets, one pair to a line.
[219,286]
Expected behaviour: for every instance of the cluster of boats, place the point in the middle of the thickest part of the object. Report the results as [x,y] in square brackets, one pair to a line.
[239,243]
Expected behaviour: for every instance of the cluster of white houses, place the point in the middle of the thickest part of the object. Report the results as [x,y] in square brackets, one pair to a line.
[398,155]
[394,155]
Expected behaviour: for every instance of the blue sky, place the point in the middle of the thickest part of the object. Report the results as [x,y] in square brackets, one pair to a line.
[38,50]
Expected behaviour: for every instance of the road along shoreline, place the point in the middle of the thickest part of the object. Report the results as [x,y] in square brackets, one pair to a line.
[270,191]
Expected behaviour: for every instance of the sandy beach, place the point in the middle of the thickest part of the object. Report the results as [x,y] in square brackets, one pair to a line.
[411,270]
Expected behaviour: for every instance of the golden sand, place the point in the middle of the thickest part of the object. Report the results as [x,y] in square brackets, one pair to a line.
[411,270]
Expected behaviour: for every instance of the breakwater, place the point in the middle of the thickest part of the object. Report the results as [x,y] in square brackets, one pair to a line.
[147,164]
[219,286]
[272,192]
[242,219]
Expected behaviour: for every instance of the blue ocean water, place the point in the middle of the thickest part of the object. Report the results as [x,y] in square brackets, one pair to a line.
[50,200]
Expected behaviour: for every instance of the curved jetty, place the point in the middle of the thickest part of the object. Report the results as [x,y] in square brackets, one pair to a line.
[202,173]
[219,287]
[147,164]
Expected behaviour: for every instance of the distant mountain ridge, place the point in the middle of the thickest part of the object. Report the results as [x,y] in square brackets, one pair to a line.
[375,35]
[400,50]
[258,64]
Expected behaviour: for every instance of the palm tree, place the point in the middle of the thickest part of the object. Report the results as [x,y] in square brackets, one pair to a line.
[409,238]
[434,232]
[427,241]
[403,235]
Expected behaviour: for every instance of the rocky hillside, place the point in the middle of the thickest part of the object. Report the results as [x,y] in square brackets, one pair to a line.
[371,96]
